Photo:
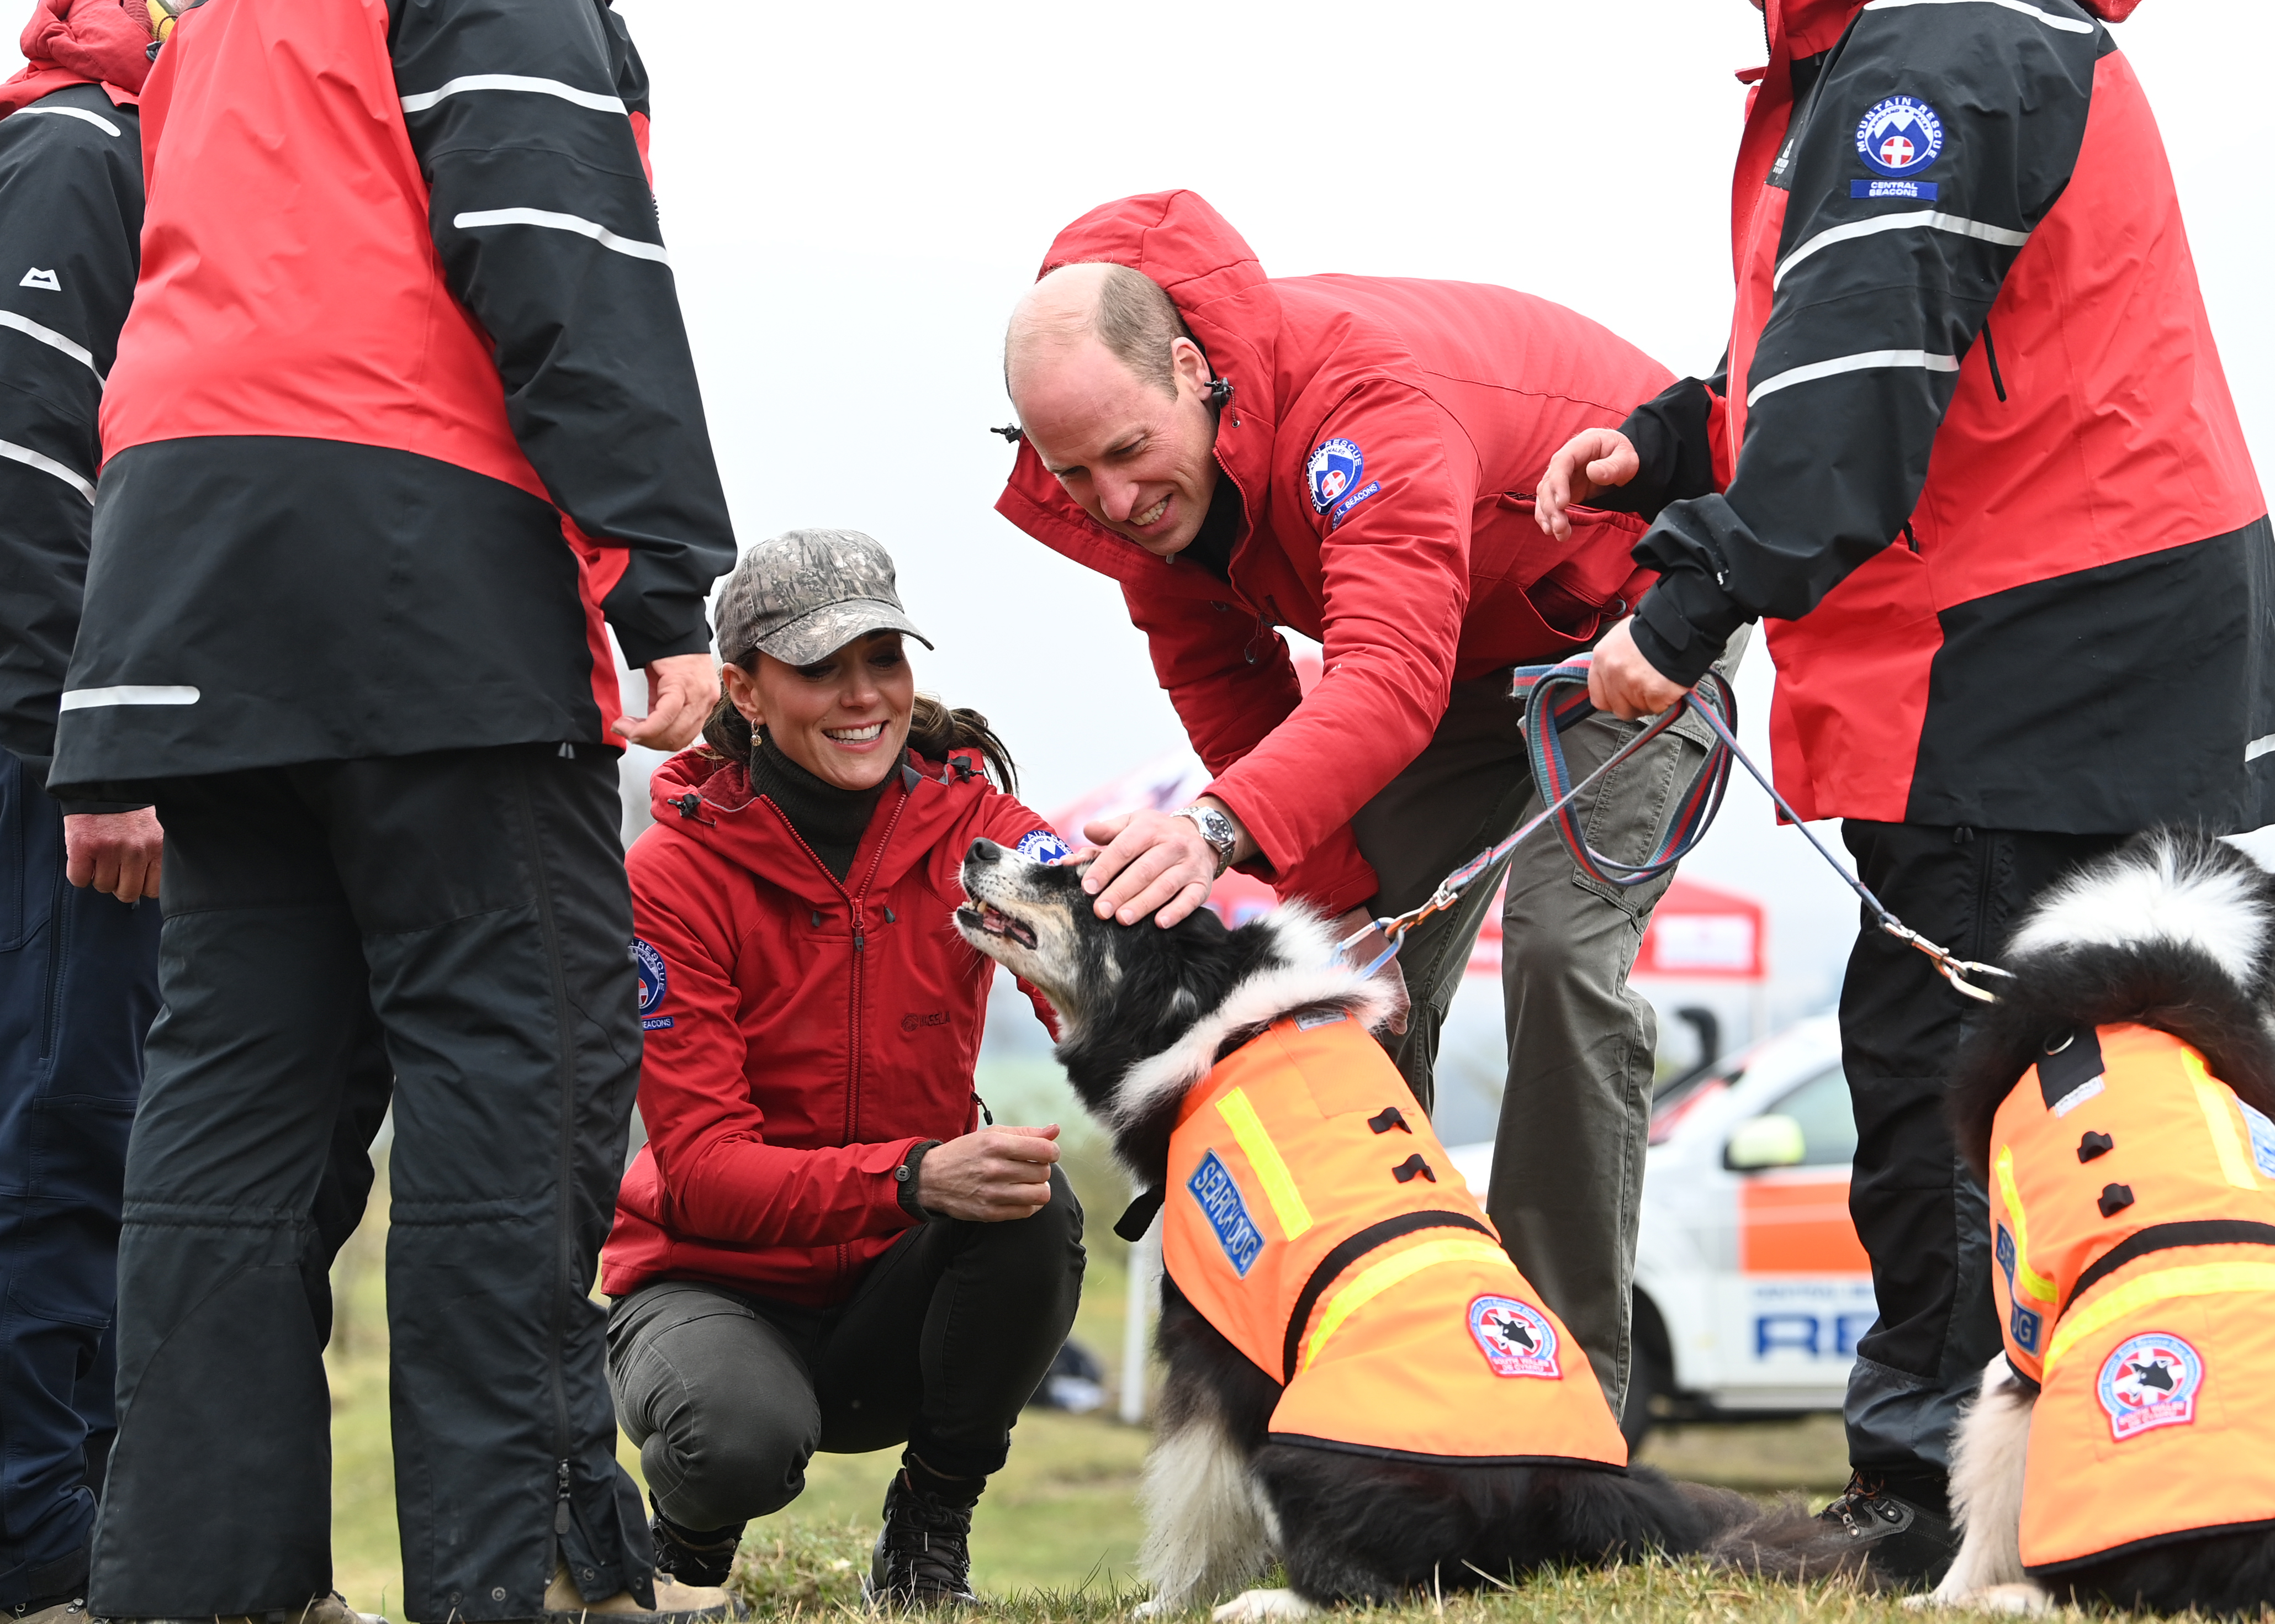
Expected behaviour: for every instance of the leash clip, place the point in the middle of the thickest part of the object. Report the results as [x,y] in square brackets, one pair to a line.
[1950,966]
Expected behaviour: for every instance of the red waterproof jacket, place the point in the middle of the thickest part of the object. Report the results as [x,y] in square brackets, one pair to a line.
[1384,436]
[1972,452]
[803,1035]
[404,407]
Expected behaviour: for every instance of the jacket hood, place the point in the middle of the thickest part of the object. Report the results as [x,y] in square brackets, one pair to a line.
[1213,277]
[704,797]
[81,42]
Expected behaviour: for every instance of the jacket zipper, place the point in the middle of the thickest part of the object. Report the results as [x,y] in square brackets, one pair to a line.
[1990,354]
[860,941]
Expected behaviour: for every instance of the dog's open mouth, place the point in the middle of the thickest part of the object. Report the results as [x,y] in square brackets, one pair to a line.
[992,921]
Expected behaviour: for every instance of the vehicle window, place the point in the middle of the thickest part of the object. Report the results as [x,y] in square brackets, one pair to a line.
[1828,1123]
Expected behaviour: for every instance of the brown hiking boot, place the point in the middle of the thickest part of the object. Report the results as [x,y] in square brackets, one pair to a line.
[330,1608]
[675,1604]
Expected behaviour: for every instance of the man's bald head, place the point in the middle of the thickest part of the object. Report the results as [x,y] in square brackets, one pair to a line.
[1124,310]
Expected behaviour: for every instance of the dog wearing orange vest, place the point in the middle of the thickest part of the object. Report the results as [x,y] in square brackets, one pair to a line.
[2119,1101]
[1360,1383]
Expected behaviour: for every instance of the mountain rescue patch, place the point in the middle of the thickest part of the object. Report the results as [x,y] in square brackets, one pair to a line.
[1897,140]
[1041,846]
[2150,1381]
[1333,473]
[1515,1337]
[653,981]
[1213,1187]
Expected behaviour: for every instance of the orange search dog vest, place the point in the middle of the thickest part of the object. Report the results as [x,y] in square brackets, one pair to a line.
[1314,1219]
[2133,1212]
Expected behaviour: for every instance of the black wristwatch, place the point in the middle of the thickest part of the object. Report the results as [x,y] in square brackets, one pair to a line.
[1215,828]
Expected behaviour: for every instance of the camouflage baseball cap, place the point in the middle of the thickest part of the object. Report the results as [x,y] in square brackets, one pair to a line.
[804,594]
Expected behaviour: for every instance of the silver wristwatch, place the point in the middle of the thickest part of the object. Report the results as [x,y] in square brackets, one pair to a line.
[1215,828]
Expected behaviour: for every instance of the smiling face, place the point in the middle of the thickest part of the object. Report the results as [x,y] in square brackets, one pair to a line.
[844,719]
[1138,459]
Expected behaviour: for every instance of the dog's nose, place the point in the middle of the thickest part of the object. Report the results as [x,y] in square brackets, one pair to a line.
[984,851]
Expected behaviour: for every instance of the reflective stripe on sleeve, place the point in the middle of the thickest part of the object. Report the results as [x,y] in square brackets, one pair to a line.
[1864,360]
[578,223]
[425,99]
[2067,24]
[2034,1285]
[1368,1284]
[54,340]
[79,113]
[1264,1156]
[1925,219]
[30,458]
[127,693]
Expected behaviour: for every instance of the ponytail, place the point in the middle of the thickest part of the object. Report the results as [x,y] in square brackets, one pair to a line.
[934,730]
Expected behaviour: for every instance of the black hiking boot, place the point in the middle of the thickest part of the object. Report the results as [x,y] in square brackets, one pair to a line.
[924,1551]
[702,1558]
[1903,1541]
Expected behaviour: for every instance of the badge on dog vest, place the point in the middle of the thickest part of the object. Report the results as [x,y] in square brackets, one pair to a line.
[1213,1186]
[2150,1381]
[1516,1338]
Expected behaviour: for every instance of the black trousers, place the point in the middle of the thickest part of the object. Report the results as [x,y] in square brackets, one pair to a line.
[78,986]
[459,920]
[1921,1214]
[949,1334]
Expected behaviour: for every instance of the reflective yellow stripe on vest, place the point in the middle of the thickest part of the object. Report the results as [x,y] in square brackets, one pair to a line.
[2215,1103]
[2202,1279]
[1368,1284]
[1264,1156]
[2033,1284]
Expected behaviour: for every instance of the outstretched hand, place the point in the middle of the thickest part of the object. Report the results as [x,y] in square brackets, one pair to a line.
[681,691]
[990,1176]
[1591,462]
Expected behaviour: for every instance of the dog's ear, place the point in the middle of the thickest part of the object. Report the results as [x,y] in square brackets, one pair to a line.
[1201,926]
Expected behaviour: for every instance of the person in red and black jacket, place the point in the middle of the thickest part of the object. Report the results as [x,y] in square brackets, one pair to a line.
[78,939]
[818,1247]
[404,421]
[1972,453]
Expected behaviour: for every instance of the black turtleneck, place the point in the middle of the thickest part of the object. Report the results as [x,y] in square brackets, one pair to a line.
[829,820]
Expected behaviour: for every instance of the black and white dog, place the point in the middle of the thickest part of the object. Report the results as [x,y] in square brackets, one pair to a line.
[2175,931]
[1146,1013]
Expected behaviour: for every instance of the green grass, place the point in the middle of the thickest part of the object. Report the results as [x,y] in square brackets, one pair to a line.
[1055,1536]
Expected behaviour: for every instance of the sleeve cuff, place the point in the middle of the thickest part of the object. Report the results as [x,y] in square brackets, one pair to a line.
[905,1177]
[641,652]
[86,809]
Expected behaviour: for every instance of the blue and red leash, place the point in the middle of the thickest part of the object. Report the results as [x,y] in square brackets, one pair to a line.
[1556,698]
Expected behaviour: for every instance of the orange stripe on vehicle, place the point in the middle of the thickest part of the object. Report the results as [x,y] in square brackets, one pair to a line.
[1798,1228]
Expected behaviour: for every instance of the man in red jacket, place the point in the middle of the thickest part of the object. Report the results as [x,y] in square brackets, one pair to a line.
[1981,469]
[1353,457]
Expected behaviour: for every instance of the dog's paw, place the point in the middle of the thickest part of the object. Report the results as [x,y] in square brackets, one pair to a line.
[2012,1598]
[1158,1608]
[1260,1606]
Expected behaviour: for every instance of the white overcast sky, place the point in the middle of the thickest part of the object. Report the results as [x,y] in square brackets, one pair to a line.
[853,196]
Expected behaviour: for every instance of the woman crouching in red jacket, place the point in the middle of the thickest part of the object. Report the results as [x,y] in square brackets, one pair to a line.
[820,1248]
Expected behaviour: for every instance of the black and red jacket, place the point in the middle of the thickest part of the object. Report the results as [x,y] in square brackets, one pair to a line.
[1973,455]
[71,217]
[404,407]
